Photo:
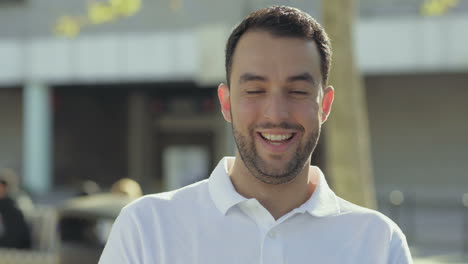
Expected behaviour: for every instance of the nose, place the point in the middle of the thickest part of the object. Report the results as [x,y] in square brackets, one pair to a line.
[276,108]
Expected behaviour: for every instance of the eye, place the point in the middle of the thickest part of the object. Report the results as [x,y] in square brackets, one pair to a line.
[299,92]
[255,91]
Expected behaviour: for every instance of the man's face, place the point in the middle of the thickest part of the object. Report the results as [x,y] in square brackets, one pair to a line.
[275,104]
[3,190]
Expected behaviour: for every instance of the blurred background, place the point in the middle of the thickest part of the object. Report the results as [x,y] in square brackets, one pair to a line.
[93,92]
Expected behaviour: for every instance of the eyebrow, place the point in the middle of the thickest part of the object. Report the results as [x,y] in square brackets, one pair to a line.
[305,77]
[246,77]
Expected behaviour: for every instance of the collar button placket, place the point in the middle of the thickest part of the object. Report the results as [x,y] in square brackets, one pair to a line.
[273,248]
[272,234]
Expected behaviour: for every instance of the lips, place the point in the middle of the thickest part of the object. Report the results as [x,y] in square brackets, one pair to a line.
[277,142]
[277,139]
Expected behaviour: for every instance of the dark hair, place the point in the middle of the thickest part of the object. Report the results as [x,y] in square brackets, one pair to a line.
[282,21]
[4,182]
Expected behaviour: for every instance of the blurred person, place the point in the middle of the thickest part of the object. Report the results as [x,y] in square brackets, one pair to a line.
[87,229]
[128,187]
[89,187]
[78,228]
[124,187]
[14,231]
[266,204]
[21,197]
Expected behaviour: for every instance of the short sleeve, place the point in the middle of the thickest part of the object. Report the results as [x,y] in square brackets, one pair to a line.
[399,250]
[124,243]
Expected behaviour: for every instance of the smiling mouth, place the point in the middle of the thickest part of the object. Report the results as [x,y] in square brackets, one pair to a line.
[277,139]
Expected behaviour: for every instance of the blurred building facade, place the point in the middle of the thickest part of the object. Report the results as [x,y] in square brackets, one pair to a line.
[136,97]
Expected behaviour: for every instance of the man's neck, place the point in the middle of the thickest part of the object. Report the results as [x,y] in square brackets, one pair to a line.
[278,199]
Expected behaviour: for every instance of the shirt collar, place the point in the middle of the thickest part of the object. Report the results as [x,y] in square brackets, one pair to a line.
[323,201]
[221,189]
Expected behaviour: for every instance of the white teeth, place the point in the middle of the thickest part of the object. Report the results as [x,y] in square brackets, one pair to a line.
[276,137]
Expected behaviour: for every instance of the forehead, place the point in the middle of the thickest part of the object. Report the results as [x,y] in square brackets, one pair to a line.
[275,57]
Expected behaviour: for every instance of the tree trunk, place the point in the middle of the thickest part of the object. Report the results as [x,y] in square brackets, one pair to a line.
[347,130]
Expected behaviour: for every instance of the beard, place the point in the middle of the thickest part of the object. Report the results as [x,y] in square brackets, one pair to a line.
[260,169]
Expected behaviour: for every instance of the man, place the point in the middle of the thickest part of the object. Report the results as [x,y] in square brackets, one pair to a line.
[14,231]
[266,205]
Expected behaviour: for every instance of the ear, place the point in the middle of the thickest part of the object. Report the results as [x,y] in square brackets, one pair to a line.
[223,95]
[327,101]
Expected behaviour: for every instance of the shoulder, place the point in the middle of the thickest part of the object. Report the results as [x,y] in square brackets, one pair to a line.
[149,212]
[378,227]
[369,218]
[181,199]
[144,225]
[347,207]
[8,204]
[8,201]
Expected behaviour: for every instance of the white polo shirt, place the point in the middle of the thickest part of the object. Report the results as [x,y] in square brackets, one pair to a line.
[209,222]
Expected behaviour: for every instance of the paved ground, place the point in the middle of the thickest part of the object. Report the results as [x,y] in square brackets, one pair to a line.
[448,259]
[424,256]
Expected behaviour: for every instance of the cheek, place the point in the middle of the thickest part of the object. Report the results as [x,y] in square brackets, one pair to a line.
[308,115]
[245,112]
